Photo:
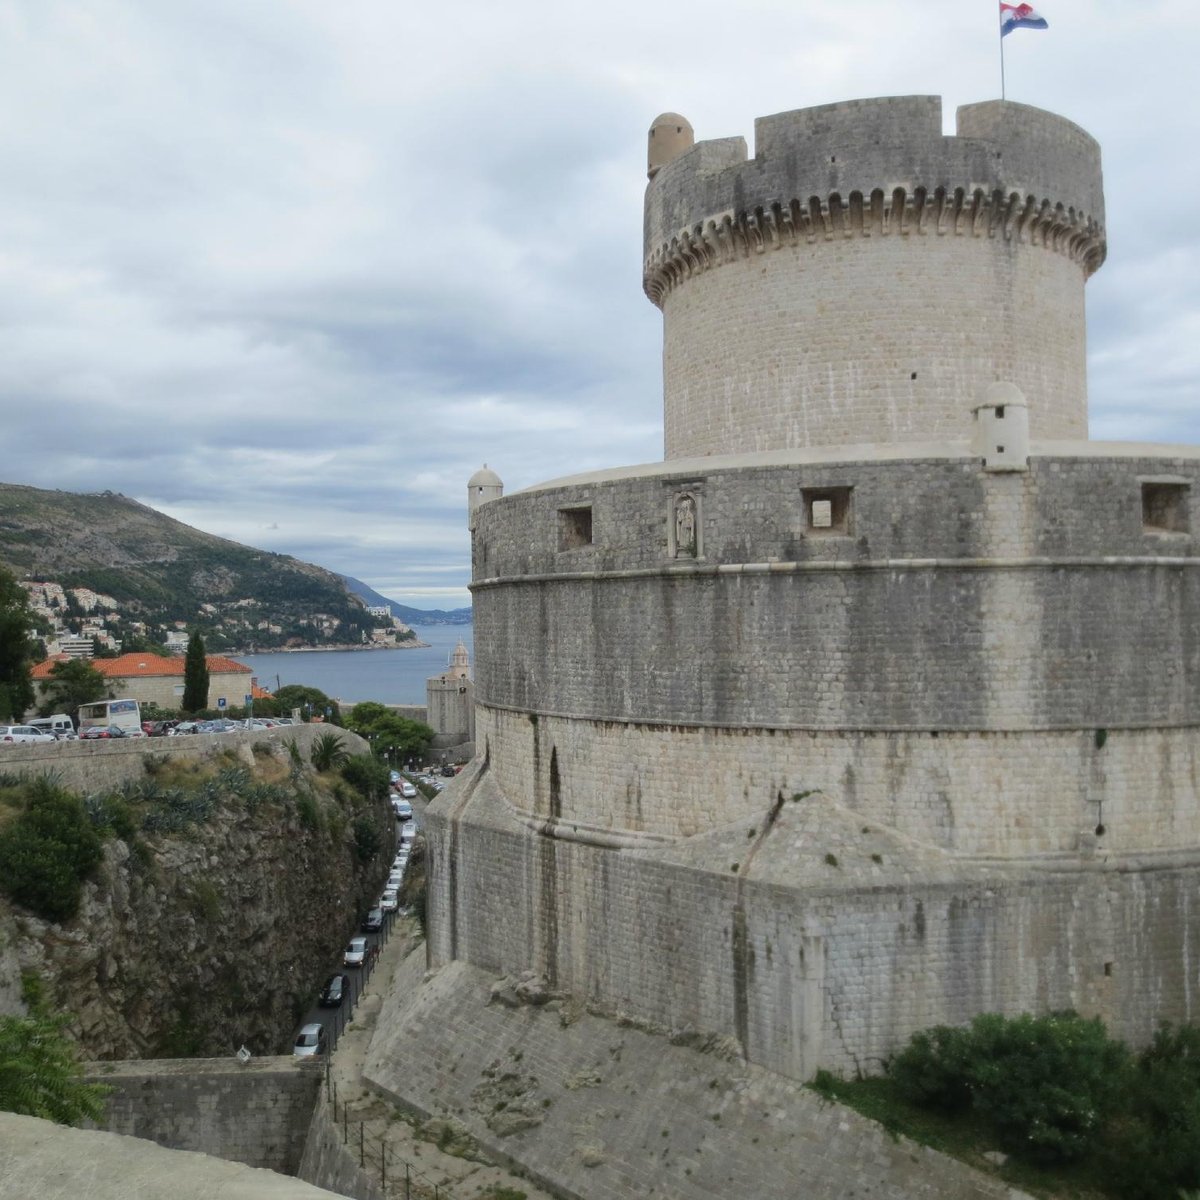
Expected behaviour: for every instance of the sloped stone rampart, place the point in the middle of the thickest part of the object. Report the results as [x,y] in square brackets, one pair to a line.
[597,1110]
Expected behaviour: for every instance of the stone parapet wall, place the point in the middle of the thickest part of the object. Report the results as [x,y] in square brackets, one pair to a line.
[90,766]
[813,937]
[986,794]
[258,1114]
[328,1162]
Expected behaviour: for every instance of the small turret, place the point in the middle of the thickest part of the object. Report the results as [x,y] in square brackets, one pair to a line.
[483,486]
[670,136]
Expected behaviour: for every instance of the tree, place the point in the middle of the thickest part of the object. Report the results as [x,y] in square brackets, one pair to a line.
[16,625]
[40,1075]
[195,675]
[308,700]
[71,684]
[386,730]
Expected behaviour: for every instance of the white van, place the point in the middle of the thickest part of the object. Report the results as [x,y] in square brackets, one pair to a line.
[59,725]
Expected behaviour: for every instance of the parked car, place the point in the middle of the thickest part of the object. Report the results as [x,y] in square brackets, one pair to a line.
[283,720]
[394,880]
[448,771]
[373,921]
[158,728]
[389,901]
[408,790]
[24,733]
[394,776]
[402,809]
[185,727]
[408,831]
[310,1041]
[93,732]
[356,952]
[336,989]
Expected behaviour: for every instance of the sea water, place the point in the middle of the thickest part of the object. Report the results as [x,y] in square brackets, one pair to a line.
[351,676]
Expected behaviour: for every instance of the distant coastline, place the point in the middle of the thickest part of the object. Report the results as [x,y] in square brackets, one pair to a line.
[415,644]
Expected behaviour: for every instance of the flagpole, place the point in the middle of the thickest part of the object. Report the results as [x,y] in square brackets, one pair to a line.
[1000,26]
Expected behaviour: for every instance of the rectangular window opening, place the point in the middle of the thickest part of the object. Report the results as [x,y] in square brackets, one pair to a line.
[827,510]
[574,527]
[1165,507]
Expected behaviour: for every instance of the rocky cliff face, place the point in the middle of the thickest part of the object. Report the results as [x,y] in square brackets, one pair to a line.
[216,934]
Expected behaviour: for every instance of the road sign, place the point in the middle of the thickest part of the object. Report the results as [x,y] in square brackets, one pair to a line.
[220,701]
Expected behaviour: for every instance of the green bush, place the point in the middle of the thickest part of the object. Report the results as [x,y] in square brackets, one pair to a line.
[366,838]
[309,810]
[1154,1149]
[367,775]
[47,853]
[40,1075]
[1046,1085]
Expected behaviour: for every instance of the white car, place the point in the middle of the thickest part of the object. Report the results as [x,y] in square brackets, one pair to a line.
[356,952]
[408,831]
[25,733]
[402,809]
[389,901]
[310,1041]
[407,790]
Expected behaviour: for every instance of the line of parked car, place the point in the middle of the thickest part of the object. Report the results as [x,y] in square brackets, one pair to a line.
[312,1038]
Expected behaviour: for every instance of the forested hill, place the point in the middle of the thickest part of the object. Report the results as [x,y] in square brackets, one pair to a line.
[159,571]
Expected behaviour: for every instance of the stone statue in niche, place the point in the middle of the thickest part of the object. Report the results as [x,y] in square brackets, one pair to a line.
[685,526]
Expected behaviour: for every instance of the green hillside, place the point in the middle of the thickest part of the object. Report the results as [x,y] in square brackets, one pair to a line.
[161,571]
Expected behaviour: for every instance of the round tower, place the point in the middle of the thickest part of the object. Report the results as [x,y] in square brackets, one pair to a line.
[864,278]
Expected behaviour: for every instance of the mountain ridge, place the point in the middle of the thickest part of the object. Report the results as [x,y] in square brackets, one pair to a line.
[160,571]
[410,616]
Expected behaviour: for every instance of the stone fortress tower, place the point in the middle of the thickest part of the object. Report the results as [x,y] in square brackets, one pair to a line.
[876,704]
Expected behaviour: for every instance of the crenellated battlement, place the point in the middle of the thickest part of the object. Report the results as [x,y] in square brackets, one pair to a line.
[890,152]
[907,271]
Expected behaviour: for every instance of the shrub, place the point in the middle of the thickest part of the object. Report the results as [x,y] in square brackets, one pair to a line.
[366,838]
[308,810]
[328,752]
[40,1075]
[1046,1085]
[47,853]
[367,775]
[1154,1150]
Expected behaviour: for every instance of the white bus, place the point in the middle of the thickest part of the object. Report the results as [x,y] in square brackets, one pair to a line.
[127,714]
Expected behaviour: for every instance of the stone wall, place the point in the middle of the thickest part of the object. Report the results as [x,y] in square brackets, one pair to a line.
[795,286]
[811,935]
[92,766]
[258,1114]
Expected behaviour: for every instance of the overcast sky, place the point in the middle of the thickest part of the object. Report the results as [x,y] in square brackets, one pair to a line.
[290,271]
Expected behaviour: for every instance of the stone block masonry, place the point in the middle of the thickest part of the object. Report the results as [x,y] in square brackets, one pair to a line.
[258,1114]
[591,1107]
[809,936]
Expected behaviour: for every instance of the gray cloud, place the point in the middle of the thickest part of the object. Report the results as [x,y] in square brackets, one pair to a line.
[291,271]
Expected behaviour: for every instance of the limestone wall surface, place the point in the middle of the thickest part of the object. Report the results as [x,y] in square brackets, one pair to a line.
[258,1113]
[328,1162]
[597,1109]
[982,793]
[797,287]
[812,936]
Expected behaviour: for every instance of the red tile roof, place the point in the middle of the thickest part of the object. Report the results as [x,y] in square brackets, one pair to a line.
[133,666]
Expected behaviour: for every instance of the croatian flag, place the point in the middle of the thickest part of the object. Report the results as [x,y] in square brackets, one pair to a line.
[1020,16]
